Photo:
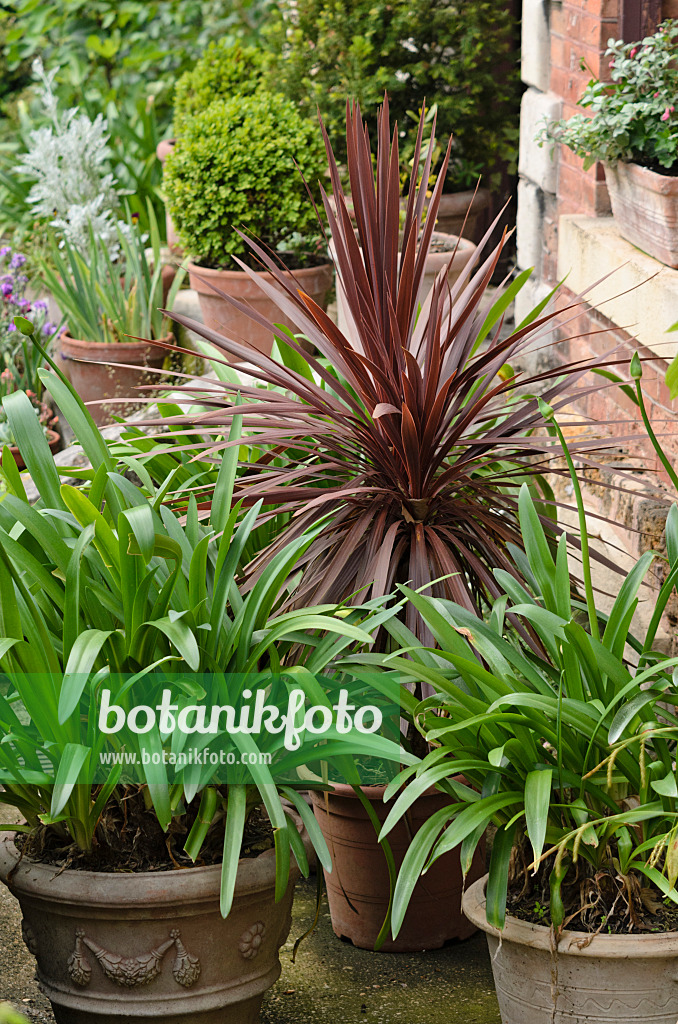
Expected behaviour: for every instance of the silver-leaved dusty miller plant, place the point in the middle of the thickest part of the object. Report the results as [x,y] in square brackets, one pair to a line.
[67,158]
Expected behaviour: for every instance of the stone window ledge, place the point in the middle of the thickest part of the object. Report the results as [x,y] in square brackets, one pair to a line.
[640,296]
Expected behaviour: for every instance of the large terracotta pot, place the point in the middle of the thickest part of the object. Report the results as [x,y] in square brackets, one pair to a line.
[162,151]
[136,948]
[358,886]
[87,366]
[435,261]
[645,208]
[453,210]
[220,315]
[613,979]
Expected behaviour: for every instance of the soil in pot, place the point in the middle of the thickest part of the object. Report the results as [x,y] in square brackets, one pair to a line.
[220,315]
[151,946]
[358,886]
[606,979]
[88,364]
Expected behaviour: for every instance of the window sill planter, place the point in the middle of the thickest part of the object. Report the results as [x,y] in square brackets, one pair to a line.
[220,315]
[613,979]
[151,947]
[645,207]
[358,886]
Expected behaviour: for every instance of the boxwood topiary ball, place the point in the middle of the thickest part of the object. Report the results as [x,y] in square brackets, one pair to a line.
[234,167]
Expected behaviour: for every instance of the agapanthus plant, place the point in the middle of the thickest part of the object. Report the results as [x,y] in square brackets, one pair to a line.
[411,435]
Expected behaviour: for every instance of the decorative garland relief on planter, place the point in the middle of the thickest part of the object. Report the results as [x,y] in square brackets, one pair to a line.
[132,970]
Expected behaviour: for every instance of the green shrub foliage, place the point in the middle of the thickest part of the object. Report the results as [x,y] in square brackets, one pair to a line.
[456,55]
[226,69]
[234,167]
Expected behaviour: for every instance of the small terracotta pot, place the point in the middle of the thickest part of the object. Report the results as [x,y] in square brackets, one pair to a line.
[151,947]
[87,366]
[454,206]
[358,886]
[645,208]
[162,151]
[221,316]
[611,979]
[435,261]
[53,440]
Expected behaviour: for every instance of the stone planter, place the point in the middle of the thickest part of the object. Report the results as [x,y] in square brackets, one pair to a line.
[220,315]
[137,948]
[435,261]
[358,886]
[454,207]
[645,208]
[613,979]
[87,364]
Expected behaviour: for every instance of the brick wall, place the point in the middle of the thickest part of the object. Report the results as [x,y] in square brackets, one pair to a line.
[558,36]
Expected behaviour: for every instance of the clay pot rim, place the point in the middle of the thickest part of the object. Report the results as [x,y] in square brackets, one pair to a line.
[538,936]
[374,792]
[194,268]
[117,346]
[113,888]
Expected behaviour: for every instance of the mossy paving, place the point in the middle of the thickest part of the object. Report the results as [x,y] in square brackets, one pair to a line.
[330,983]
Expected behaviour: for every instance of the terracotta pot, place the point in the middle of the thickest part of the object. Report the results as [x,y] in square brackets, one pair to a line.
[435,261]
[221,316]
[87,365]
[135,948]
[358,886]
[645,208]
[53,440]
[453,209]
[614,978]
[162,151]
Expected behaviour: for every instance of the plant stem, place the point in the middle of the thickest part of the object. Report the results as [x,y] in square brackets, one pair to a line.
[653,438]
[584,537]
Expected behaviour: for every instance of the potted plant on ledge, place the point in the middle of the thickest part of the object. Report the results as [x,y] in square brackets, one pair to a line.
[634,131]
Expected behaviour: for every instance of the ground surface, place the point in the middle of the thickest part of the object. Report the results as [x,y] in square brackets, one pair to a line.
[330,983]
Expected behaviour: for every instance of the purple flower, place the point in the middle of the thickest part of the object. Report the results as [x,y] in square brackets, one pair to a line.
[17,260]
[25,305]
[6,288]
[11,327]
[4,251]
[40,306]
[48,327]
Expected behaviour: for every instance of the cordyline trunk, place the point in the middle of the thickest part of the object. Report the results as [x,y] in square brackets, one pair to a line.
[407,441]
